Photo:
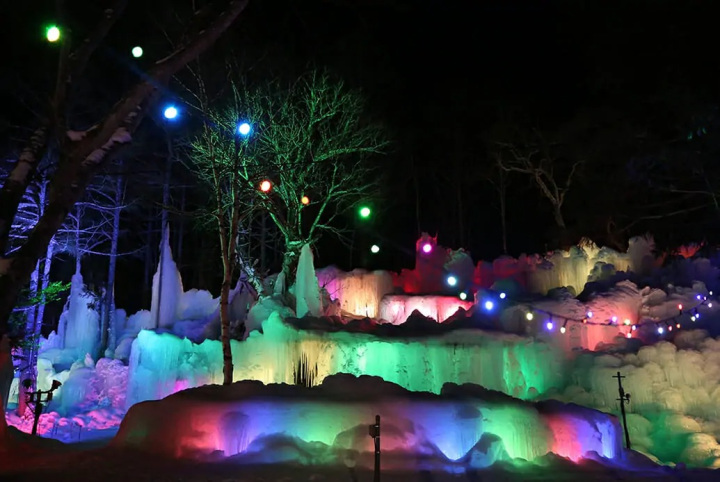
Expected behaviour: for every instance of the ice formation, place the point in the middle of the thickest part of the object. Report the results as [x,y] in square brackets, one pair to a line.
[162,364]
[462,423]
[307,291]
[358,292]
[397,308]
[79,326]
[167,287]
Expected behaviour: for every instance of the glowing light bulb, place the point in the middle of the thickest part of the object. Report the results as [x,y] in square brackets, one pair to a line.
[678,326]
[549,325]
[503,296]
[364,212]
[374,249]
[710,305]
[463,296]
[670,328]
[451,280]
[629,334]
[692,318]
[529,316]
[137,52]
[634,327]
[562,330]
[680,307]
[710,293]
[244,128]
[589,314]
[660,330]
[489,305]
[265,186]
[170,112]
[614,319]
[699,297]
[627,322]
[305,200]
[426,248]
[52,33]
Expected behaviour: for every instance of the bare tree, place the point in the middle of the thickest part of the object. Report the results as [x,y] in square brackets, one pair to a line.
[82,153]
[313,146]
[537,158]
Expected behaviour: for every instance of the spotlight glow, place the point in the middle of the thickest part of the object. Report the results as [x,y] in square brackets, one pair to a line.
[170,112]
[244,128]
[364,212]
[52,33]
[452,280]
[489,305]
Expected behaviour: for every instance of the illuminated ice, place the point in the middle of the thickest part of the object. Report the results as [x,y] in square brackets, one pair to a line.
[232,419]
[307,292]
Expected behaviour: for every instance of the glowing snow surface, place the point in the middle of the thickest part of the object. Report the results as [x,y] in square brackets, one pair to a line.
[458,422]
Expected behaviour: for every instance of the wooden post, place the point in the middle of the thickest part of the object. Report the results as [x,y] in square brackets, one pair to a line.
[624,398]
[374,431]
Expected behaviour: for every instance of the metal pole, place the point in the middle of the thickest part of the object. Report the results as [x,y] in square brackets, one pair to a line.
[623,399]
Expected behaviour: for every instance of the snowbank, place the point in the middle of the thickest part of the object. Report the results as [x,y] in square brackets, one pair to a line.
[464,424]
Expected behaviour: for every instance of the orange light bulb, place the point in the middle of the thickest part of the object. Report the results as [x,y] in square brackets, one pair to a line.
[265,186]
[305,200]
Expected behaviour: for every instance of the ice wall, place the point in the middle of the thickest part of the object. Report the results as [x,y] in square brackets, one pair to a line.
[454,424]
[397,308]
[162,364]
[167,287]
[358,292]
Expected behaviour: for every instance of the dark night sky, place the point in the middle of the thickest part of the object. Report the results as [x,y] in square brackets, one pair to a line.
[438,73]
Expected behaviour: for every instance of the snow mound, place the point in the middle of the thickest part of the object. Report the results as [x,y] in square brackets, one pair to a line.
[463,424]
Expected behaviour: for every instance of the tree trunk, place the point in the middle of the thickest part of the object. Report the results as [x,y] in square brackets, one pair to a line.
[557,214]
[225,327]
[147,275]
[290,261]
[107,334]
[80,160]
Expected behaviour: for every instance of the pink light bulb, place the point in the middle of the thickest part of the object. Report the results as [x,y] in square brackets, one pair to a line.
[427,247]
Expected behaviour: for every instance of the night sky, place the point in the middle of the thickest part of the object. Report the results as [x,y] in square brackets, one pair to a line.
[622,82]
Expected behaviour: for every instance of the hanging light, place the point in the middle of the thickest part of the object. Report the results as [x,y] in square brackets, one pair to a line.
[374,249]
[265,186]
[627,322]
[549,325]
[629,334]
[305,200]
[463,296]
[52,33]
[562,328]
[529,316]
[503,296]
[489,305]
[427,248]
[589,314]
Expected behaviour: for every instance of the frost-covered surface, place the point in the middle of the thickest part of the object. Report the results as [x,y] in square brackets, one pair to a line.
[466,425]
